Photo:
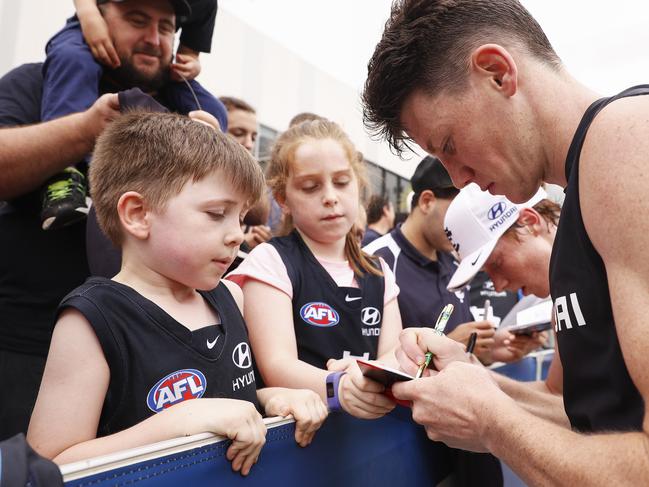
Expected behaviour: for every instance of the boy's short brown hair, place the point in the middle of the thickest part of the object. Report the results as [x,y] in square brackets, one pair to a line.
[156,154]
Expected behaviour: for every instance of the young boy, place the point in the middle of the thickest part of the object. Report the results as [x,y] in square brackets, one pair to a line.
[83,51]
[129,352]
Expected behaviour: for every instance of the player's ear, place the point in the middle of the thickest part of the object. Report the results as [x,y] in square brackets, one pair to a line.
[495,64]
[133,214]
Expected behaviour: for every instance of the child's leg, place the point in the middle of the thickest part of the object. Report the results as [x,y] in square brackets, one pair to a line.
[183,100]
[70,85]
[70,74]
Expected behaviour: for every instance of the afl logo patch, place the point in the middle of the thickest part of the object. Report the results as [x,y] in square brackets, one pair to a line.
[176,387]
[370,316]
[319,314]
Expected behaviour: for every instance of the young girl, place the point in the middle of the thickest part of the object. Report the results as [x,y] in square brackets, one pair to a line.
[312,295]
[161,349]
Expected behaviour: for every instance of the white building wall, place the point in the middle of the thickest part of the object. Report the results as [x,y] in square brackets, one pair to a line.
[243,63]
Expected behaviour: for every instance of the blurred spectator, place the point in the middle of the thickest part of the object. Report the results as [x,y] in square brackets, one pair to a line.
[304,117]
[242,121]
[380,218]
[242,126]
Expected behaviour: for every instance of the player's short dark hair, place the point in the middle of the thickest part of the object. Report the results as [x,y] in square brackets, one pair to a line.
[426,46]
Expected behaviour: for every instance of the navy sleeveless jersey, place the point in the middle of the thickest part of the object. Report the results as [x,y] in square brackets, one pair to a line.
[330,321]
[599,394]
[155,362]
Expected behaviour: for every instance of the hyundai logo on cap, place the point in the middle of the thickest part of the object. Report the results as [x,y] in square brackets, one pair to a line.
[496,210]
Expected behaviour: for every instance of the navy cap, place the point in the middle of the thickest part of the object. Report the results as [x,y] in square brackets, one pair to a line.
[430,174]
[181,7]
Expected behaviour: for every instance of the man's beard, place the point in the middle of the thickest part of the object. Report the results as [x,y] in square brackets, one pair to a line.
[129,76]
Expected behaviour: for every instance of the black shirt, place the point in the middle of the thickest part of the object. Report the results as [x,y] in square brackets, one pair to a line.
[197,30]
[156,362]
[330,321]
[422,282]
[37,268]
[599,394]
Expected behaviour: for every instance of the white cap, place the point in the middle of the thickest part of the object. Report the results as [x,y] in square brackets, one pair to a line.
[474,222]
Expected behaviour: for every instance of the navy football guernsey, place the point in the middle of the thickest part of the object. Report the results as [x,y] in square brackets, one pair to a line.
[330,321]
[155,362]
[599,394]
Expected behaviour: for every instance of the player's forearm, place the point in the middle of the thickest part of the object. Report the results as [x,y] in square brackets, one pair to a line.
[542,453]
[535,398]
[31,155]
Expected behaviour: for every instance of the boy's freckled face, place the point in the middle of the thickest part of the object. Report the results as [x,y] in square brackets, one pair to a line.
[194,239]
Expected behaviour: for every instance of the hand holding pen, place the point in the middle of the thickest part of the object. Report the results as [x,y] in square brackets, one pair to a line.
[440,325]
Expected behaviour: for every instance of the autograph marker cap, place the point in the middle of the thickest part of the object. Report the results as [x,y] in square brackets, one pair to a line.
[474,222]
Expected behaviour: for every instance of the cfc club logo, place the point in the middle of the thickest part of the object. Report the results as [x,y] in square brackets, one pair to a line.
[176,387]
[319,314]
[241,356]
[370,316]
[496,210]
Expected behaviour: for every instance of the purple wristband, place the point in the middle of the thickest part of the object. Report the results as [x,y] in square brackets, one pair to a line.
[333,380]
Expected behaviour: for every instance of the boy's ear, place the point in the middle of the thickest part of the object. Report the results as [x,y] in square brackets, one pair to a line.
[530,218]
[133,214]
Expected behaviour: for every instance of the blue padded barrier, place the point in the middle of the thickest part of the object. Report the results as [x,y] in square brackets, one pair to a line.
[346,451]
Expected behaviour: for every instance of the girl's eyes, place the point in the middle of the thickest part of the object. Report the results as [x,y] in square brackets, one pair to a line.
[216,215]
[312,187]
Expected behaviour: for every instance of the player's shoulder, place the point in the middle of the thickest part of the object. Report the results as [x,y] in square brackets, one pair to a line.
[620,129]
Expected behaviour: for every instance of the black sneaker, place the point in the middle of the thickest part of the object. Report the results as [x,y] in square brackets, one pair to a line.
[64,201]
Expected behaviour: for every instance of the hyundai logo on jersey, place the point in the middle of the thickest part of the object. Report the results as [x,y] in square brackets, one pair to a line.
[370,316]
[176,387]
[496,210]
[319,314]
